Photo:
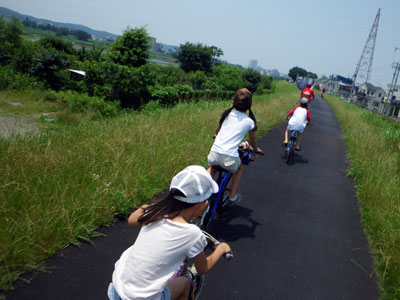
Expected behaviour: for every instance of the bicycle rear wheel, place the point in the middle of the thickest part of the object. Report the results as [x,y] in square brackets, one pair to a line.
[290,154]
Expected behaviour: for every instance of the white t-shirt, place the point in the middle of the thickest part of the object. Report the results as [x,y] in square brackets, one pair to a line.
[299,118]
[145,268]
[232,132]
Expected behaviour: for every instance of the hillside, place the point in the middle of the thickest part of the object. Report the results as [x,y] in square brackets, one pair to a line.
[9,13]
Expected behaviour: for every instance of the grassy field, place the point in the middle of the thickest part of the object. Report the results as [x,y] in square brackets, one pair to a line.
[373,145]
[59,186]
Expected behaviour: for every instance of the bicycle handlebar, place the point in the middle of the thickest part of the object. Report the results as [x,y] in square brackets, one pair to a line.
[227,255]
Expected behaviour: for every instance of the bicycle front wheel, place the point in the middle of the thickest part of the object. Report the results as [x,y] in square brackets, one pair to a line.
[204,219]
[197,282]
[224,195]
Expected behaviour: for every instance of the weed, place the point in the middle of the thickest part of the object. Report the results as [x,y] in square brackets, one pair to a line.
[373,149]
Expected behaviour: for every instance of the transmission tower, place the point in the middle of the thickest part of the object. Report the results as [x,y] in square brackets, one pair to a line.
[388,103]
[364,66]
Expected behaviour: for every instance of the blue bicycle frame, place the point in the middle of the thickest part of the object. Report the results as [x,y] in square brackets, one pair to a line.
[221,185]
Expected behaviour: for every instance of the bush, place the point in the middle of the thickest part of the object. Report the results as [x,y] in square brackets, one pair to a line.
[115,82]
[11,79]
[167,75]
[252,79]
[226,78]
[84,103]
[171,94]
[197,79]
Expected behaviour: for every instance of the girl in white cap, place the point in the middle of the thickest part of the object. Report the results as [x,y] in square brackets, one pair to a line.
[166,238]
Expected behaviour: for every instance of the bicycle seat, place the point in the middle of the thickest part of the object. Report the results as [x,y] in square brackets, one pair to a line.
[219,168]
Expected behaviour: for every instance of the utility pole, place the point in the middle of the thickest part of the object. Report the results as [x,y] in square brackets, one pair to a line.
[364,66]
[388,103]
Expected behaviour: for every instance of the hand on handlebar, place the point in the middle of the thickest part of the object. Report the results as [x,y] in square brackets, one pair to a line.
[227,250]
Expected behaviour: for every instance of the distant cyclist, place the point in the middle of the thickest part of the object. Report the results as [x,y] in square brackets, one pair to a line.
[233,126]
[323,93]
[308,93]
[298,117]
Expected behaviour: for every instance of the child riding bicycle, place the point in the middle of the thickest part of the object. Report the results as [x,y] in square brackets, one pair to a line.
[233,126]
[298,117]
[165,240]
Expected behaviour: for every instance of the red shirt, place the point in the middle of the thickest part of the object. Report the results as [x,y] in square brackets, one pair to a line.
[308,93]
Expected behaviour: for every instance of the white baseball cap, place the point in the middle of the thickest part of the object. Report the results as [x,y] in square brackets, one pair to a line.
[303,100]
[195,183]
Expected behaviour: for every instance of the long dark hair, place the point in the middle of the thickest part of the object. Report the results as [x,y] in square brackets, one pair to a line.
[167,208]
[304,105]
[241,102]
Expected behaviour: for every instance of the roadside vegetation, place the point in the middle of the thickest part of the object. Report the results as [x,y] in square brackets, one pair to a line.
[108,140]
[373,145]
[59,186]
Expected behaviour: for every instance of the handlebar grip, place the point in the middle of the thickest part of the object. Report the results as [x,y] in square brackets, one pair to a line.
[228,256]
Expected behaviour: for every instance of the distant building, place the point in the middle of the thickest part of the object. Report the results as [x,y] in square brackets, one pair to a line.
[392,106]
[76,75]
[370,96]
[253,64]
[338,85]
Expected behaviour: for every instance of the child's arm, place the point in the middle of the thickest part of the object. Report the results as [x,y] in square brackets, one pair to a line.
[133,218]
[205,264]
[253,142]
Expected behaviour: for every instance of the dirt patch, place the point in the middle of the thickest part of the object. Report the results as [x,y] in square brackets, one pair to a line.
[10,126]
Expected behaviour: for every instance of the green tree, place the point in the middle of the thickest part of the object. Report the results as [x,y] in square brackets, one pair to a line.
[297,71]
[47,64]
[117,82]
[10,39]
[167,75]
[93,54]
[197,57]
[57,44]
[252,78]
[132,48]
[312,75]
[227,77]
[81,35]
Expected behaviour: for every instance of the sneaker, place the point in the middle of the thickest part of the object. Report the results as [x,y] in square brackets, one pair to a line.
[234,201]
[298,148]
[284,144]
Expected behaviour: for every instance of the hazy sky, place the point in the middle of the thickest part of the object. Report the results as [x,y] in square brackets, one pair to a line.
[322,36]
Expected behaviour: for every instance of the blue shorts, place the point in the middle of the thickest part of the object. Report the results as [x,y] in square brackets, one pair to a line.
[113,295]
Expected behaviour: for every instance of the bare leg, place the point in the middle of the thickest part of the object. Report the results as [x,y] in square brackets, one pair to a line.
[298,140]
[286,135]
[179,288]
[236,178]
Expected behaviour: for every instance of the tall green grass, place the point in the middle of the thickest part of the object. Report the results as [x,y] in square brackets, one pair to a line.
[373,145]
[57,188]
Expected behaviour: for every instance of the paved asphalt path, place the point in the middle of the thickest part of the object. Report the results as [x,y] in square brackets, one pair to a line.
[296,234]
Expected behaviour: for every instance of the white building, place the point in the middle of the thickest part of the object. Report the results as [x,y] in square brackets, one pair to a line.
[392,106]
[370,96]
